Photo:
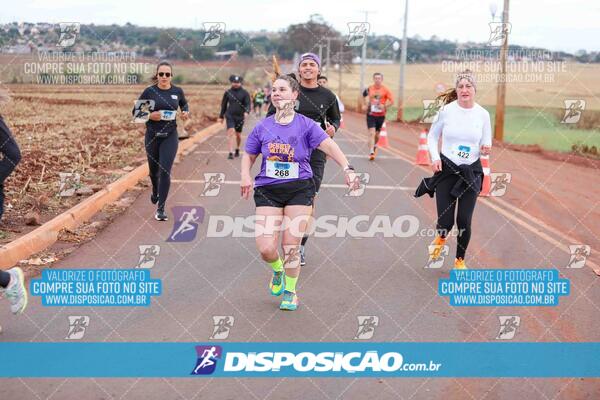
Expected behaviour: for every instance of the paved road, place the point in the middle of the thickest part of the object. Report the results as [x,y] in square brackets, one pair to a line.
[345,277]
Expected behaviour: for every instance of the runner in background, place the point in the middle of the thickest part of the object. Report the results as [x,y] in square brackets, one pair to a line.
[377,99]
[9,149]
[161,140]
[12,282]
[258,99]
[235,107]
[267,104]
[323,81]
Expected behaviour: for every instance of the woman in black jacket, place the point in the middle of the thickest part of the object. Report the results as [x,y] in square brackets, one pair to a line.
[161,139]
[11,155]
[12,282]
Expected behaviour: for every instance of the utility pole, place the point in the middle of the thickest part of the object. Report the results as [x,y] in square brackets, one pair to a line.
[363,57]
[321,52]
[400,115]
[340,63]
[327,54]
[501,93]
[363,60]
[339,57]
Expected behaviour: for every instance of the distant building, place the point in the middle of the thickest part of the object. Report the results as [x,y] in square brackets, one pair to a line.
[377,61]
[17,49]
[226,55]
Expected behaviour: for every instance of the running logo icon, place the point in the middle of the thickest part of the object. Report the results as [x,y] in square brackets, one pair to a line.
[187,219]
[291,256]
[142,110]
[357,33]
[431,110]
[213,32]
[573,111]
[359,184]
[499,33]
[437,261]
[579,253]
[366,326]
[500,181]
[207,359]
[148,254]
[286,109]
[222,326]
[508,326]
[212,183]
[68,33]
[69,182]
[77,326]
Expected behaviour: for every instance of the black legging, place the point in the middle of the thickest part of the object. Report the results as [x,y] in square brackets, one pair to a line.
[161,152]
[446,204]
[4,279]
[11,156]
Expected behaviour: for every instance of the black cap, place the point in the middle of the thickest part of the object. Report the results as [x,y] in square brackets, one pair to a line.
[236,79]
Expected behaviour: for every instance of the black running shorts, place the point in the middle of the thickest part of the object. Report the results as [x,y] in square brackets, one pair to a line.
[235,122]
[375,122]
[294,193]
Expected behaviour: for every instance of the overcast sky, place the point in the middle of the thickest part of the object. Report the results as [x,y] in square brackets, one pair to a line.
[552,24]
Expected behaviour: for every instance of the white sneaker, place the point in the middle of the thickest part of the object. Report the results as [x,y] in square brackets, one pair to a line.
[15,292]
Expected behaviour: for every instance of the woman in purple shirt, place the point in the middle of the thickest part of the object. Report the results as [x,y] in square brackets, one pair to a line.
[284,188]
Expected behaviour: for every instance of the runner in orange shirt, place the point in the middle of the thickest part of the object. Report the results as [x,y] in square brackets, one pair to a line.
[377,99]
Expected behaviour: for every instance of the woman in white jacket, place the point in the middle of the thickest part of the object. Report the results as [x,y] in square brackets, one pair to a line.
[465,129]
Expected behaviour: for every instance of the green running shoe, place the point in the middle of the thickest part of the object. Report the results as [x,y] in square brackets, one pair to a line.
[277,283]
[289,301]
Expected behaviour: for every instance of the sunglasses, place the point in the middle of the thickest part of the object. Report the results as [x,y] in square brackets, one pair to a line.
[167,74]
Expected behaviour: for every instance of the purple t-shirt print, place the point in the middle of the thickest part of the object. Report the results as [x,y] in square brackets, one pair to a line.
[287,143]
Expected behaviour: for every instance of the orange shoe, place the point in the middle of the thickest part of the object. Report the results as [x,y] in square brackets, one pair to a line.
[459,263]
[436,251]
[373,154]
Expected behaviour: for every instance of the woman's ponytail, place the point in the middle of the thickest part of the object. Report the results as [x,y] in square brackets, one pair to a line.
[447,97]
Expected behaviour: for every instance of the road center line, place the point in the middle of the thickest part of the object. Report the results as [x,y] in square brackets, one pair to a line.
[326,185]
[365,156]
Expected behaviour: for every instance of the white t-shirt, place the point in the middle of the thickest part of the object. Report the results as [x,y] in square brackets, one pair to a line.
[463,131]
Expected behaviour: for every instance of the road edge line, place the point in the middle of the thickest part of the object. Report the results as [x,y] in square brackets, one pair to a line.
[47,234]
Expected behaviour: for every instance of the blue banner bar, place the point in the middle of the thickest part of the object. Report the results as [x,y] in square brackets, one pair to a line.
[222,359]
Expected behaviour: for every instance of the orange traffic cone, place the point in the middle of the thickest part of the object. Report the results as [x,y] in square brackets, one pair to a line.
[423,150]
[383,140]
[487,181]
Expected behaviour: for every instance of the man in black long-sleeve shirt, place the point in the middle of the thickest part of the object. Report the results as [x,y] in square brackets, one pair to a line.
[235,107]
[319,104]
